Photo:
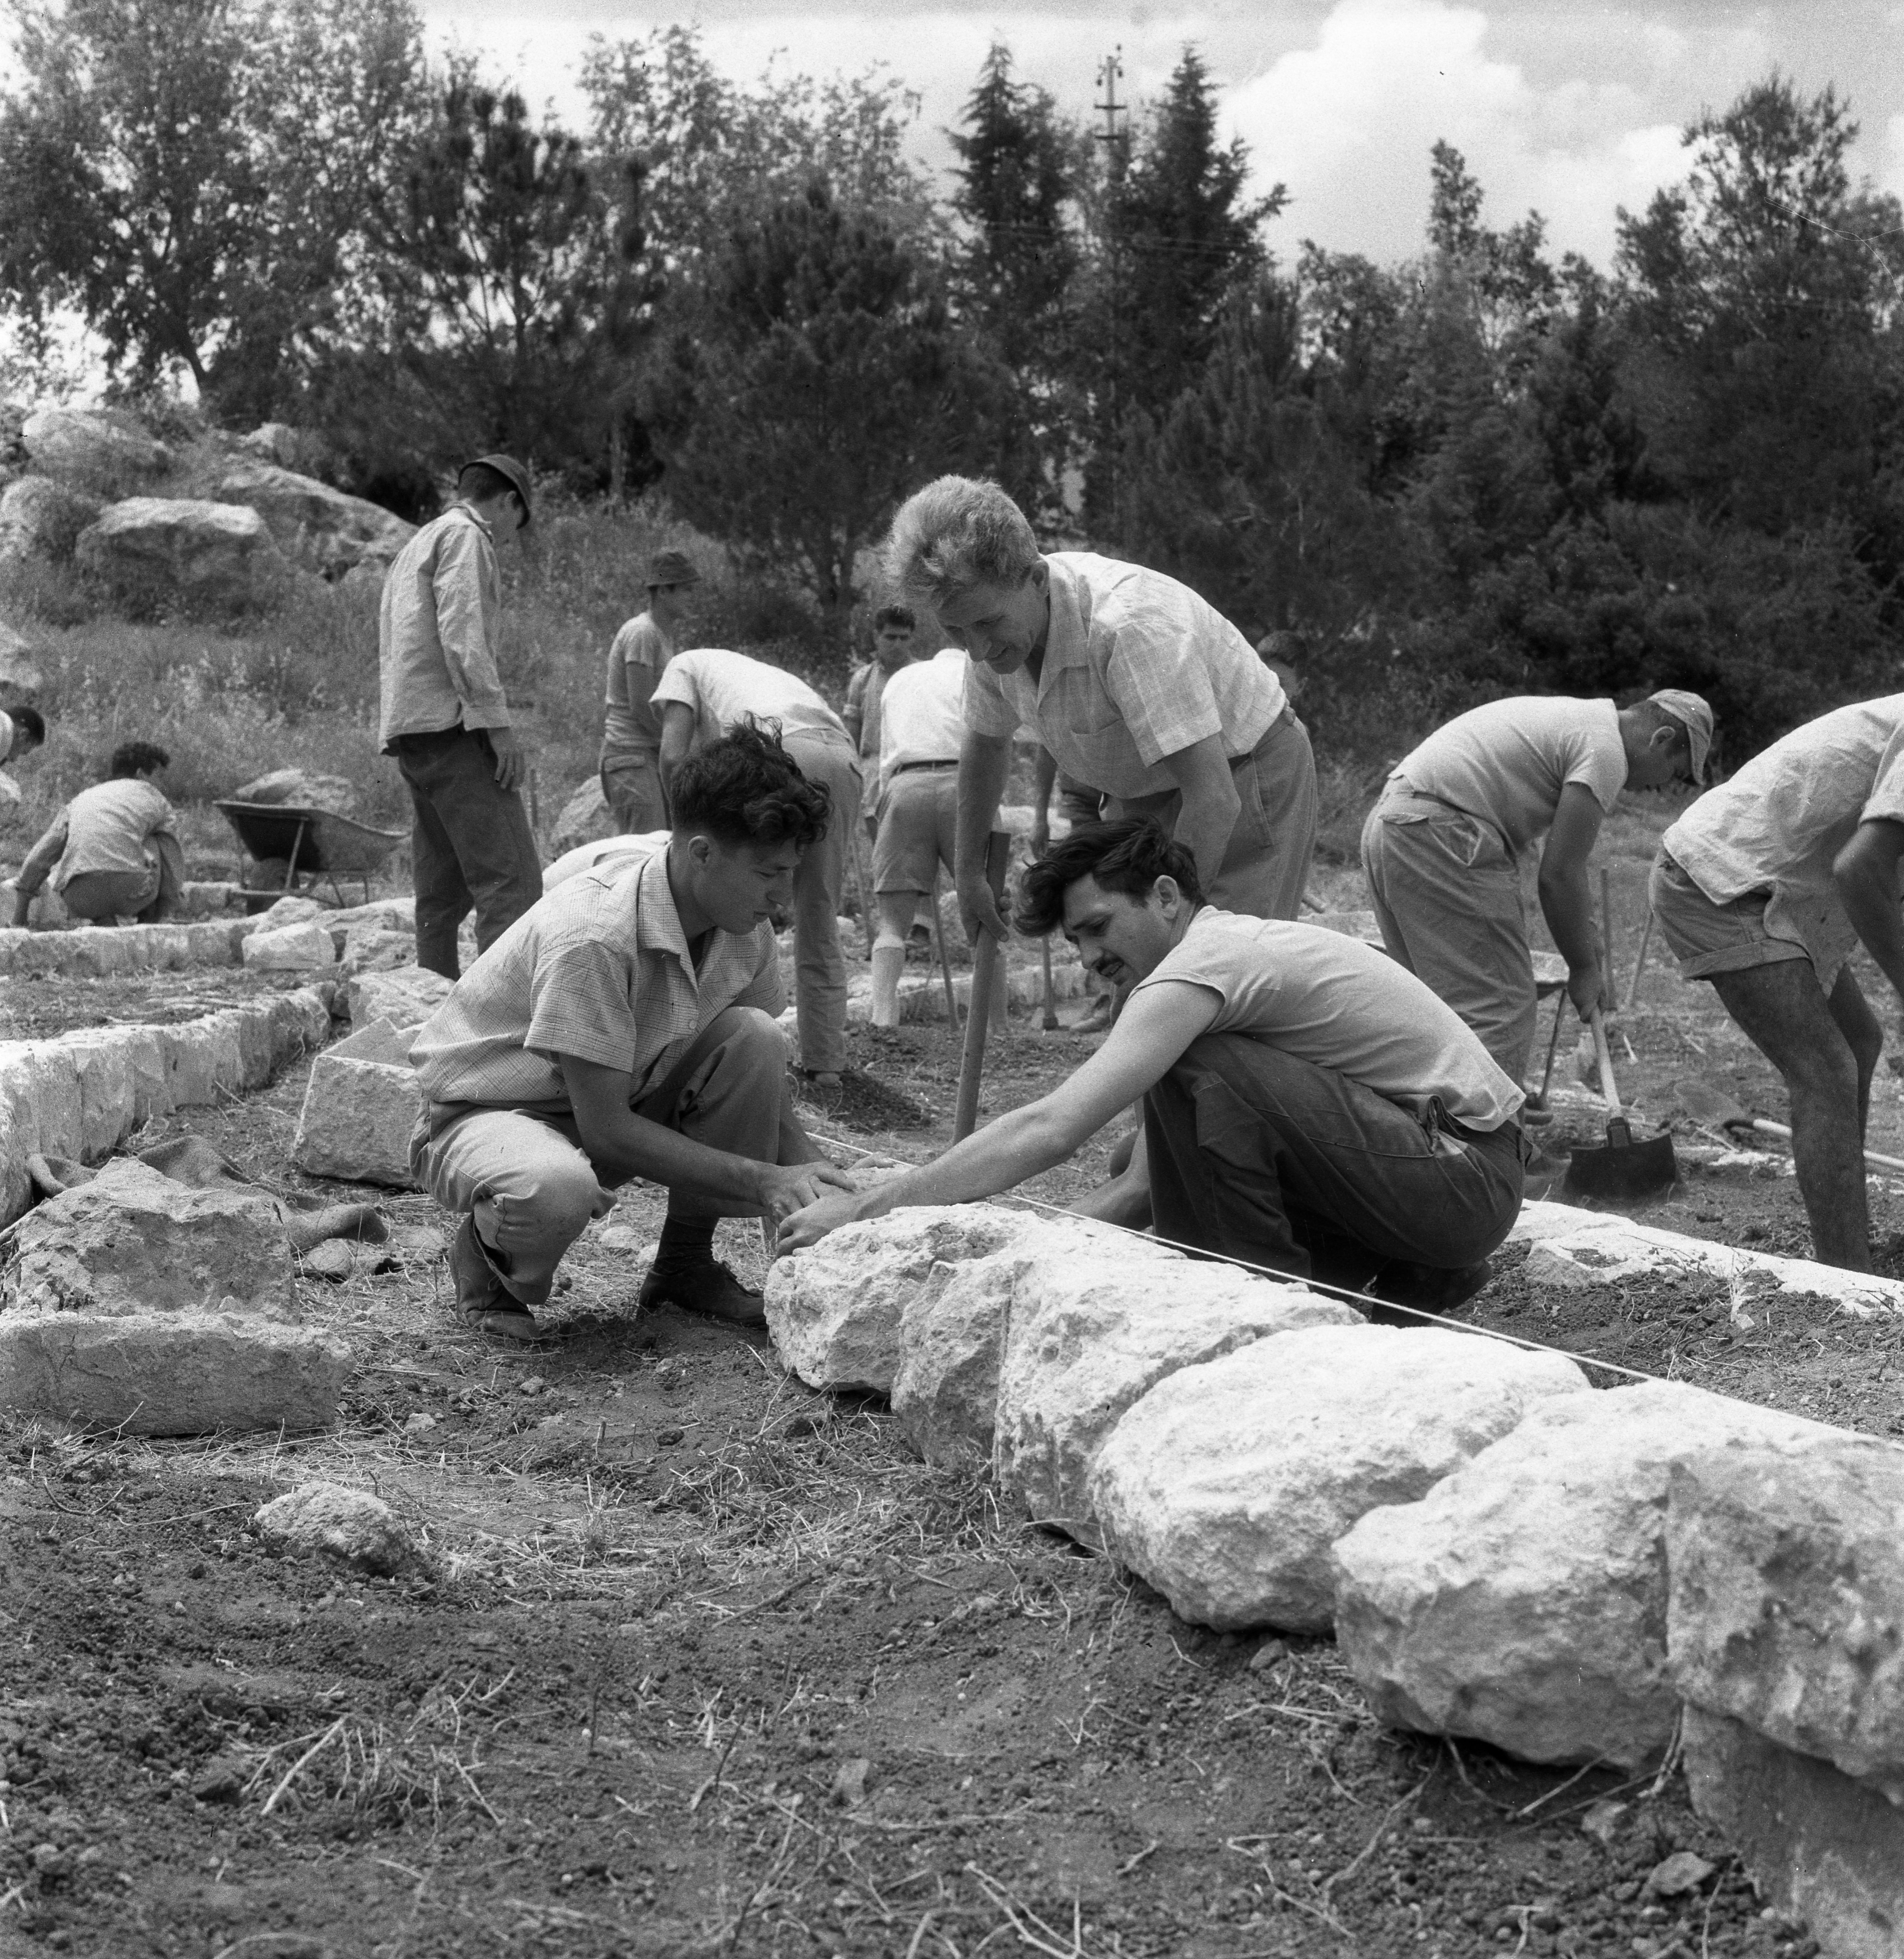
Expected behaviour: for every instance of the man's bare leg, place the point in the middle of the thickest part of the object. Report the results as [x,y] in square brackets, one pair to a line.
[1785,1013]
[1859,1026]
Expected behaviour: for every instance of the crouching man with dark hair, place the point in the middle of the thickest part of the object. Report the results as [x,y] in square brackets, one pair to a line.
[1309,1106]
[623,1028]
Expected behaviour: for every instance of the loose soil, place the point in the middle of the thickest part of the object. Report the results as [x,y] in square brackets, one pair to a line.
[693,1660]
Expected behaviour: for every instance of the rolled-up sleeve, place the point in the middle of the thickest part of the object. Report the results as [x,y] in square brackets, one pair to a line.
[987,712]
[1160,680]
[466,622]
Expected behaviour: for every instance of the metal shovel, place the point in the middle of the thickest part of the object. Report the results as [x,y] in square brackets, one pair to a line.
[1620,1168]
[1718,1109]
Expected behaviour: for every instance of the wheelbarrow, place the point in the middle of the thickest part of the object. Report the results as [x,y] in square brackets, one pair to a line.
[310,844]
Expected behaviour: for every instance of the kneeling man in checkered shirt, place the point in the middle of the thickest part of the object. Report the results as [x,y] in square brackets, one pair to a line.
[623,1028]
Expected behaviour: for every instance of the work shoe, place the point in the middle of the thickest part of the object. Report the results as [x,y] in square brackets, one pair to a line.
[705,1287]
[1436,1289]
[484,1303]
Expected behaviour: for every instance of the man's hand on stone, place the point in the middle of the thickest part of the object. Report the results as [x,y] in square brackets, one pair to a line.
[512,764]
[809,1226]
[786,1188]
[978,911]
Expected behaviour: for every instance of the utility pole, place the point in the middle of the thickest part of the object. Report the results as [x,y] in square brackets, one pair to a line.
[1116,153]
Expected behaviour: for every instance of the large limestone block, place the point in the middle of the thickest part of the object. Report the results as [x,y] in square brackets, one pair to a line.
[77,438]
[183,1374]
[1226,1485]
[834,1309]
[1089,1335]
[1820,1846]
[1522,1600]
[40,518]
[306,788]
[360,1106]
[95,952]
[214,942]
[39,1081]
[406,996]
[391,914]
[213,555]
[951,1335]
[1786,1605]
[102,1064]
[133,1241]
[290,948]
[324,530]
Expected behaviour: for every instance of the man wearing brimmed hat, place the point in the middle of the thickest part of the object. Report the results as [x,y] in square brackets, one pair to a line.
[631,729]
[1766,886]
[1442,849]
[446,720]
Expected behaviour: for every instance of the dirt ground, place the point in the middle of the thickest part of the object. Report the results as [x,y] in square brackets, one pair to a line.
[693,1660]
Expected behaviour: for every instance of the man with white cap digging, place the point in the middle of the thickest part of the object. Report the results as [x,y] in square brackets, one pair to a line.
[1442,849]
[1766,886]
[631,727]
[445,718]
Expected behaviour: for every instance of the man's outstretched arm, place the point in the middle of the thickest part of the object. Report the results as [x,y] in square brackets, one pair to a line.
[1159,1023]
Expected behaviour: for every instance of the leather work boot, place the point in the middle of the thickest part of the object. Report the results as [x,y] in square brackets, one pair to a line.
[705,1287]
[1435,1289]
[483,1303]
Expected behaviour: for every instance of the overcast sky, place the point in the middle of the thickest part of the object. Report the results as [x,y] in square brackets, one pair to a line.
[1573,109]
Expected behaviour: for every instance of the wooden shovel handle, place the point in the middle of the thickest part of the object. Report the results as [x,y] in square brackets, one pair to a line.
[971,1066]
[1609,1087]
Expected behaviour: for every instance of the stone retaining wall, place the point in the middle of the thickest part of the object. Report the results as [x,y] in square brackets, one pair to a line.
[1505,1553]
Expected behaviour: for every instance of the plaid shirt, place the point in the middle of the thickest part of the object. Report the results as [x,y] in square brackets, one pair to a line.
[599,970]
[1136,667]
[437,631]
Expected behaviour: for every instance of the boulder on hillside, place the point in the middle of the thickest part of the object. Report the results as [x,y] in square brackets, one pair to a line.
[1522,1600]
[216,556]
[304,787]
[303,450]
[951,1335]
[1089,1335]
[585,817]
[80,438]
[317,527]
[20,676]
[40,518]
[1786,1605]
[1225,1486]
[834,1309]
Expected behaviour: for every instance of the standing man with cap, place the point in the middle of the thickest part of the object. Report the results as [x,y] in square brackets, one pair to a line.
[446,722]
[631,730]
[1442,849]
[1766,886]
[1141,690]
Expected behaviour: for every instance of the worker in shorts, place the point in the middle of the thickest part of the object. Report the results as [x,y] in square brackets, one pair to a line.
[1766,886]
[1442,848]
[1309,1106]
[708,692]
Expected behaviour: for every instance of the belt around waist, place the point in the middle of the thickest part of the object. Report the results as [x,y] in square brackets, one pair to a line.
[907,768]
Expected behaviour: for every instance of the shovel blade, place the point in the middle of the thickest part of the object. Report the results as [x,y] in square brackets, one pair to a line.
[1622,1170]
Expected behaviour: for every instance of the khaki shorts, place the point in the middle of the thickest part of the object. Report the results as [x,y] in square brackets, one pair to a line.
[918,825]
[1760,929]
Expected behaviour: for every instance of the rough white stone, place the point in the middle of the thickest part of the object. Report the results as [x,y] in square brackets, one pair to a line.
[376,948]
[174,1373]
[350,1524]
[406,996]
[290,948]
[834,1309]
[1572,1248]
[1088,1336]
[78,436]
[306,788]
[102,1065]
[390,914]
[952,1333]
[40,518]
[134,1241]
[324,530]
[585,817]
[360,1106]
[211,554]
[1522,1600]
[290,910]
[1225,1485]
[1785,1609]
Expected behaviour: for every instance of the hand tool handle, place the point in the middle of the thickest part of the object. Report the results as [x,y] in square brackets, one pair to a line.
[1763,1127]
[971,1065]
[1639,964]
[1050,1020]
[1553,1044]
[1608,1086]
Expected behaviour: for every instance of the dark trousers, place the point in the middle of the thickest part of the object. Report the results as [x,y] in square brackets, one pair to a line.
[470,843]
[1259,1155]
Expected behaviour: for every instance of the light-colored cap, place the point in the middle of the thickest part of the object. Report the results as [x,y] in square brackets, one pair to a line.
[1692,713]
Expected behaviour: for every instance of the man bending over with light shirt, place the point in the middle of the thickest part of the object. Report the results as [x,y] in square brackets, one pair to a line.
[1309,1106]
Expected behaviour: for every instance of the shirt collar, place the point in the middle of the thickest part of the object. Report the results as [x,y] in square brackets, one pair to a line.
[1066,642]
[657,924]
[480,524]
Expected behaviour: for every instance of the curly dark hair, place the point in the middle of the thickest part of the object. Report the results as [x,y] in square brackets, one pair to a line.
[1127,856]
[746,789]
[134,758]
[894,615]
[30,723]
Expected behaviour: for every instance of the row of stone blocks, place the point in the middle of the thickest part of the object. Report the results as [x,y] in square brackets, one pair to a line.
[223,1350]
[99,952]
[1503,1551]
